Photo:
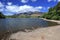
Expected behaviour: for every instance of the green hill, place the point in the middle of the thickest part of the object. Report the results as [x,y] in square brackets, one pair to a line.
[53,13]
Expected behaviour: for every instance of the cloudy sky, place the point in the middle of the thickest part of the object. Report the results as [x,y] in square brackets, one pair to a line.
[10,7]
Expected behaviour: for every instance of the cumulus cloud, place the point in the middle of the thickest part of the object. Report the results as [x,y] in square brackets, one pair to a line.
[49,0]
[58,0]
[24,1]
[24,8]
[39,7]
[9,3]
[1,7]
[11,9]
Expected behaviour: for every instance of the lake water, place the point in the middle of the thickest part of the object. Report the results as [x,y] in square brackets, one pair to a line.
[13,24]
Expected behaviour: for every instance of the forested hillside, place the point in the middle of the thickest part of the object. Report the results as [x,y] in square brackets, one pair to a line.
[1,15]
[53,13]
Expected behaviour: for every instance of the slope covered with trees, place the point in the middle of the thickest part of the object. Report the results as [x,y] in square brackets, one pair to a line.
[1,15]
[53,13]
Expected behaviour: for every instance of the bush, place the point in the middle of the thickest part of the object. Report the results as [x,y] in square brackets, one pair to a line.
[44,15]
[55,17]
[59,17]
[47,16]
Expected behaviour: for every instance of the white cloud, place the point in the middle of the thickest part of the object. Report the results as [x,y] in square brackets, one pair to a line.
[58,0]
[49,0]
[24,8]
[1,5]
[18,9]
[24,1]
[39,7]
[11,9]
[9,3]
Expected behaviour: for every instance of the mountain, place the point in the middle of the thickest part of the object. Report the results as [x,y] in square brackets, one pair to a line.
[27,14]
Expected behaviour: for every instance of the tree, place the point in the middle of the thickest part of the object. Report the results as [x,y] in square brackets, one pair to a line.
[53,13]
[1,15]
[58,8]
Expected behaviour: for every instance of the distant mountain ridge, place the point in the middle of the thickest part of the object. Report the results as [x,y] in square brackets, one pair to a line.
[27,14]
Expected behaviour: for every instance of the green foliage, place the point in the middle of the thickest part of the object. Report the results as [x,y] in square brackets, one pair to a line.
[47,16]
[53,13]
[59,17]
[1,15]
[55,17]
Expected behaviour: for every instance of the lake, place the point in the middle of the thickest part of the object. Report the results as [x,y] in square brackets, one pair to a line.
[14,24]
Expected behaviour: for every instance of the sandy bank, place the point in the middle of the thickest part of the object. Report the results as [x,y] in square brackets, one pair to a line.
[50,33]
[51,20]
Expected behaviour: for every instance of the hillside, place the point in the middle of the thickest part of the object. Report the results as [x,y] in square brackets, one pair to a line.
[1,15]
[53,13]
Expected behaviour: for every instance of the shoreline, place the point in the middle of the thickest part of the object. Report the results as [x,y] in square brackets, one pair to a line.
[48,33]
[20,35]
[57,21]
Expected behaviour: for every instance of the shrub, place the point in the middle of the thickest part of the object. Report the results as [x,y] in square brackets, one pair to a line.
[55,17]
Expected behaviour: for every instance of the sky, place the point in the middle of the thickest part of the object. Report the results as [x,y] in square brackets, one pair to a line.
[10,7]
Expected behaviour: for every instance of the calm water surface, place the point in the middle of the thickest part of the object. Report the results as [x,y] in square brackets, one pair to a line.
[14,24]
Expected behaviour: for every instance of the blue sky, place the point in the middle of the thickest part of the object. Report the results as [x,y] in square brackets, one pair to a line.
[10,7]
